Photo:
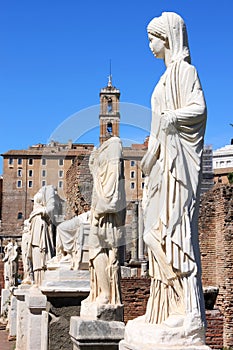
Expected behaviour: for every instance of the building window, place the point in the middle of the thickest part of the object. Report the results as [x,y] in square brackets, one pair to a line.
[61,162]
[43,183]
[109,128]
[132,163]
[143,175]
[43,161]
[30,161]
[19,183]
[11,161]
[20,215]
[30,184]
[20,161]
[109,105]
[143,184]
[43,173]
[19,172]
[132,185]
[60,184]
[30,173]
[60,173]
[132,174]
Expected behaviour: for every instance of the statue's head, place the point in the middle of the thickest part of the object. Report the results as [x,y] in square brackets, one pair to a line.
[170,29]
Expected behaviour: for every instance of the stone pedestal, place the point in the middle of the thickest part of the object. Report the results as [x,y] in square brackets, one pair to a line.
[95,334]
[94,311]
[36,304]
[30,304]
[5,301]
[64,289]
[12,318]
[66,281]
[141,335]
[100,327]
[22,317]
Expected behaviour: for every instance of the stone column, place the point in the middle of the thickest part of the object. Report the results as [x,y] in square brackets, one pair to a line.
[134,249]
[12,318]
[22,317]
[36,303]
[140,232]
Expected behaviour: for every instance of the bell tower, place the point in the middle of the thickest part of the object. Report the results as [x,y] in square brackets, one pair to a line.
[109,111]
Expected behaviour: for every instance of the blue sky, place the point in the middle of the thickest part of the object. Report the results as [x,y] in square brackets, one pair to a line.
[55,59]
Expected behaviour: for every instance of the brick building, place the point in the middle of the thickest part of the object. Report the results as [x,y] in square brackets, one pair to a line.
[216,245]
[26,171]
[1,181]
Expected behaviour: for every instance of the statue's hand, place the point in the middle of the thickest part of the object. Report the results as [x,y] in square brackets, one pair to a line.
[168,121]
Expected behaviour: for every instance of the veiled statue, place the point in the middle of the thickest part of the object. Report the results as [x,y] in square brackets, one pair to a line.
[27,263]
[107,222]
[172,166]
[41,244]
[10,259]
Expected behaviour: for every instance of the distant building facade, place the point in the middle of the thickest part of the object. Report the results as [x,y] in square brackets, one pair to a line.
[26,171]
[223,163]
[207,169]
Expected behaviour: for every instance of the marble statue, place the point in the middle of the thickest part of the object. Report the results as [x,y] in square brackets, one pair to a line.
[11,253]
[41,245]
[107,222]
[172,168]
[69,241]
[27,264]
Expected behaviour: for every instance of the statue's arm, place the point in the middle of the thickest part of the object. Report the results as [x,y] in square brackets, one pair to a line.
[193,106]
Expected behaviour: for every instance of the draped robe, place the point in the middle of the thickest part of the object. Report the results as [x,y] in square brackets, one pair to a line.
[172,166]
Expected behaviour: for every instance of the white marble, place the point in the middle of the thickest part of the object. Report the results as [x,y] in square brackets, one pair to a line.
[66,281]
[107,221]
[72,249]
[141,335]
[27,263]
[36,303]
[40,246]
[22,317]
[5,301]
[10,259]
[86,334]
[175,314]
[12,317]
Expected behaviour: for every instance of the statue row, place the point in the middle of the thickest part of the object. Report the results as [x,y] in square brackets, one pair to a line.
[172,168]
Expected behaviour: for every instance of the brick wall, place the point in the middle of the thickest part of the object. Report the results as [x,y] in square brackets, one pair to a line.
[79,186]
[214,331]
[216,245]
[135,293]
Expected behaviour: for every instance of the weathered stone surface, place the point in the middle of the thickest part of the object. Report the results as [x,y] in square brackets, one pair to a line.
[12,317]
[108,312]
[96,335]
[61,309]
[65,280]
[96,330]
[141,335]
[22,317]
[5,301]
[124,346]
[215,230]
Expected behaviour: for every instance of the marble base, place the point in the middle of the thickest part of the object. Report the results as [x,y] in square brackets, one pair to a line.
[125,346]
[12,317]
[66,281]
[141,335]
[5,301]
[104,312]
[95,334]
